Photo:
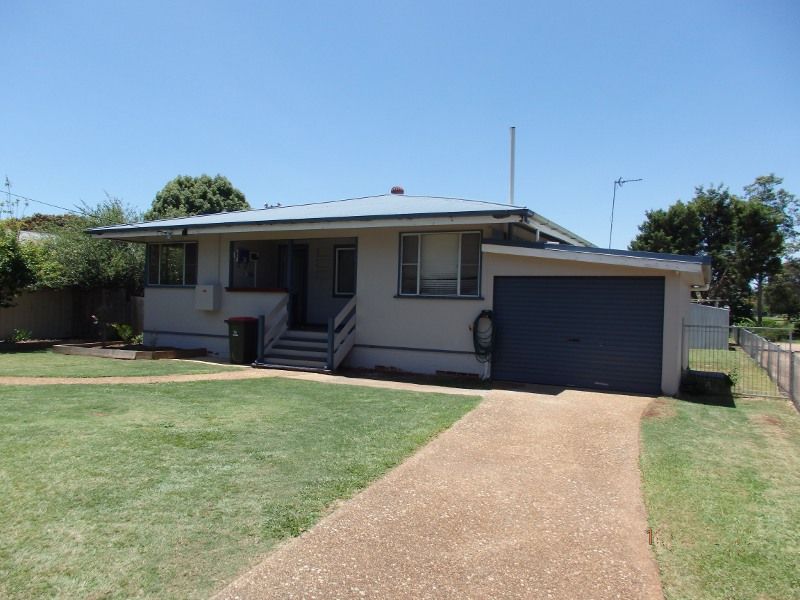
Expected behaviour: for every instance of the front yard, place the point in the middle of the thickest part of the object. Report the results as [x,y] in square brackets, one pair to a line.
[169,490]
[722,489]
[44,363]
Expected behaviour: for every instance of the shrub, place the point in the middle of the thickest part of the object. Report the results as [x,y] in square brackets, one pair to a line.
[19,335]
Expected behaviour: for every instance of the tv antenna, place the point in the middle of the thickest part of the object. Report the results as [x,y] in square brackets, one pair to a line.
[618,183]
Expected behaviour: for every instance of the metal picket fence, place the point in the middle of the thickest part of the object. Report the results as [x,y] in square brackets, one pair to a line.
[761,361]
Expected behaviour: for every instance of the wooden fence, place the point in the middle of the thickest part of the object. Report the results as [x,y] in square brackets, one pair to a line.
[59,314]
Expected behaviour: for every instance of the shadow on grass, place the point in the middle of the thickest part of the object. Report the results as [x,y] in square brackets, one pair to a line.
[707,387]
[724,401]
[462,381]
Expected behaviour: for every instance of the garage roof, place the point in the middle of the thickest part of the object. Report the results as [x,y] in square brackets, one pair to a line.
[699,266]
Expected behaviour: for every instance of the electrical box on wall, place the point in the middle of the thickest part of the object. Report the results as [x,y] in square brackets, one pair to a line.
[206,297]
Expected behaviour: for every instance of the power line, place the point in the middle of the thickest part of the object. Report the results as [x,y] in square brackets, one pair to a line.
[70,210]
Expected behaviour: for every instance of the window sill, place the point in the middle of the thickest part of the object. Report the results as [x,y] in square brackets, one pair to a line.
[433,297]
[258,290]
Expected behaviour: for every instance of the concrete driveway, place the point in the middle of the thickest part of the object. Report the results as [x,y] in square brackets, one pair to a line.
[528,496]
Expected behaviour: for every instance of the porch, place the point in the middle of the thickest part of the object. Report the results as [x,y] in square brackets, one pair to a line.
[318,274]
[312,326]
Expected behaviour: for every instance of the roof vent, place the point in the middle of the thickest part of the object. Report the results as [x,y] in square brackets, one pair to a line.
[398,189]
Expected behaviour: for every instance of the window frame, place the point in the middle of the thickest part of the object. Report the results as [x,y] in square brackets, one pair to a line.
[336,293]
[458,295]
[148,263]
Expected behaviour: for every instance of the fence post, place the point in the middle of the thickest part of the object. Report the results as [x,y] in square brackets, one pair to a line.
[684,347]
[791,367]
[769,358]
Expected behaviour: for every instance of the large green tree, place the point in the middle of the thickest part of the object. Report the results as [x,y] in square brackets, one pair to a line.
[678,229]
[743,236]
[15,273]
[759,246]
[782,292]
[187,195]
[766,190]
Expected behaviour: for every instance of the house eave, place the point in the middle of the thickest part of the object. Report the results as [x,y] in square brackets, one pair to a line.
[698,273]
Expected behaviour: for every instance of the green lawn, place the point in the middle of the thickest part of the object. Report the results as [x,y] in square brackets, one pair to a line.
[170,490]
[44,363]
[722,488]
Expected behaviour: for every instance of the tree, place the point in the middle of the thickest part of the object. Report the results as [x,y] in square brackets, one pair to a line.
[677,230]
[785,206]
[743,237]
[68,257]
[187,195]
[759,246]
[14,271]
[782,292]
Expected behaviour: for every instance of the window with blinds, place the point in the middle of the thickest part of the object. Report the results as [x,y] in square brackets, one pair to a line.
[440,264]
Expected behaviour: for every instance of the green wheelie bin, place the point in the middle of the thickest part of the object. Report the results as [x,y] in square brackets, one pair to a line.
[243,339]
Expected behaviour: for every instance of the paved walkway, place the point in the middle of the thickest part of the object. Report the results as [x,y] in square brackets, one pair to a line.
[236,374]
[528,496]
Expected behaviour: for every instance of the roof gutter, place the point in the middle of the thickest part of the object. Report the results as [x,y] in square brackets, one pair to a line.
[305,225]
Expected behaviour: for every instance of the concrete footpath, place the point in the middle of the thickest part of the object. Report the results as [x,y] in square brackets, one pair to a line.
[528,496]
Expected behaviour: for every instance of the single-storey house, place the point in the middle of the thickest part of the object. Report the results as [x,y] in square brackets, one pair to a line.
[403,282]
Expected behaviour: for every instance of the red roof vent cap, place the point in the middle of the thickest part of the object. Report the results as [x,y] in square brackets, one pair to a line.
[398,189]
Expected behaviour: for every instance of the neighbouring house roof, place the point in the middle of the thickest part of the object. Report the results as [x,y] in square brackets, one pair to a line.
[371,210]
[698,267]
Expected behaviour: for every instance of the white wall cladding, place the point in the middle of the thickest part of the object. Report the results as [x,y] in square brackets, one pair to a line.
[423,335]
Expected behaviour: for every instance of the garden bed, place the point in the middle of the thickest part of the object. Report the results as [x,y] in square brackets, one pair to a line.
[128,351]
[27,345]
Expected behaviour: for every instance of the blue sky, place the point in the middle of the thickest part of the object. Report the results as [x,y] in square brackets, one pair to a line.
[311,101]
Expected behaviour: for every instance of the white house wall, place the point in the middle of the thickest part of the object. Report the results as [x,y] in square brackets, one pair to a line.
[171,319]
[421,335]
[428,335]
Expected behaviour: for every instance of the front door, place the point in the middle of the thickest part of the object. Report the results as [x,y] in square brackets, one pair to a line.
[297,284]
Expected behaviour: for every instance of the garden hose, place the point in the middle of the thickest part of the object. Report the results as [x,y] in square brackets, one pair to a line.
[483,339]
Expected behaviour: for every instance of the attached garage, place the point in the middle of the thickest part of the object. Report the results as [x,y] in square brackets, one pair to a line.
[588,332]
[591,318]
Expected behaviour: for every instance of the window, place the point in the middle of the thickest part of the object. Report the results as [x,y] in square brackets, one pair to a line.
[172,264]
[440,264]
[344,272]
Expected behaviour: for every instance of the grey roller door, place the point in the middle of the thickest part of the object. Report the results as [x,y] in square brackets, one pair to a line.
[592,332]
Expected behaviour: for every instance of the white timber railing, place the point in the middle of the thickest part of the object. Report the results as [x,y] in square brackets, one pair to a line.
[273,326]
[341,334]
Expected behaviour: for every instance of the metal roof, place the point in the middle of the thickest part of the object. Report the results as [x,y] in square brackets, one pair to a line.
[369,208]
[702,260]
